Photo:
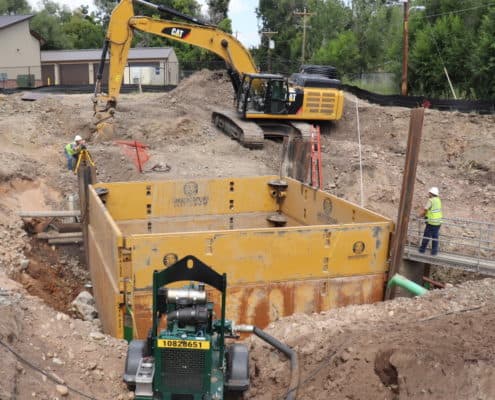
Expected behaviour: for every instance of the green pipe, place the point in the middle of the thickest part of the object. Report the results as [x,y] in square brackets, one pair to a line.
[405,283]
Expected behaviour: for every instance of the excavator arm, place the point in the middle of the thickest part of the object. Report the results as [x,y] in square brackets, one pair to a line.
[266,105]
[120,35]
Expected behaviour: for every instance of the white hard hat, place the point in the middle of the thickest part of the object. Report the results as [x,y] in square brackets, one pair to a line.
[77,138]
[434,191]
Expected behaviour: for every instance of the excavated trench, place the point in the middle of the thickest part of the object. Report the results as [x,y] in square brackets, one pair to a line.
[56,274]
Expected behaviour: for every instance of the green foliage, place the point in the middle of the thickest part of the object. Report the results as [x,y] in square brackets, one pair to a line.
[444,44]
[48,26]
[483,62]
[341,52]
[226,25]
[61,28]
[217,10]
[83,33]
[17,7]
[358,37]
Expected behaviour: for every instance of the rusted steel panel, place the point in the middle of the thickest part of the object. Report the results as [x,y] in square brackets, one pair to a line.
[261,304]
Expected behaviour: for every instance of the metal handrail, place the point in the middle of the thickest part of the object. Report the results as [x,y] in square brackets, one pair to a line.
[480,244]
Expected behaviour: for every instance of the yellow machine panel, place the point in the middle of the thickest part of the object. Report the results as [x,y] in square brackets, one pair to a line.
[327,253]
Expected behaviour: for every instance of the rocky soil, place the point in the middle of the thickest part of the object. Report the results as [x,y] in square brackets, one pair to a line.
[440,346]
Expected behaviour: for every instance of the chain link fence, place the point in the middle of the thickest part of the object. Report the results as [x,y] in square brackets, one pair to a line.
[16,77]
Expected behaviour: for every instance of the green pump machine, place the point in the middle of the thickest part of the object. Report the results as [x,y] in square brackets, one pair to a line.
[188,360]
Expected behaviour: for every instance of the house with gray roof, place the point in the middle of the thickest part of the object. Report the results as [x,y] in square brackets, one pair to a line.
[19,52]
[148,66]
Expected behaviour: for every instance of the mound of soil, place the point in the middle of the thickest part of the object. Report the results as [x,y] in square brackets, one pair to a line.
[440,346]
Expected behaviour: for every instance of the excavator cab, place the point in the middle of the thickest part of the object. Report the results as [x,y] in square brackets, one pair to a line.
[263,94]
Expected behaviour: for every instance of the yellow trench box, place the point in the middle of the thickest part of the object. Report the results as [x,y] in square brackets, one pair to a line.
[286,248]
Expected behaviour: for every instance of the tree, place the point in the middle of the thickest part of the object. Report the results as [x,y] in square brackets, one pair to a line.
[330,19]
[11,7]
[483,62]
[48,26]
[218,10]
[278,16]
[341,52]
[83,33]
[444,44]
[63,29]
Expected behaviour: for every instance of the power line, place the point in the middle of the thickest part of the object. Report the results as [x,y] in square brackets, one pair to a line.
[460,10]
[41,371]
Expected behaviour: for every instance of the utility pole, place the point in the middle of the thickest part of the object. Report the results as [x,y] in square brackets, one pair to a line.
[405,49]
[269,35]
[303,14]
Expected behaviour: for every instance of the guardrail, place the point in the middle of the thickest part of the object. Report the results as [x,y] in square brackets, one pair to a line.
[474,239]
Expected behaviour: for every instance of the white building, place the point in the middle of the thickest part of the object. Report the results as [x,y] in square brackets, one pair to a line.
[19,52]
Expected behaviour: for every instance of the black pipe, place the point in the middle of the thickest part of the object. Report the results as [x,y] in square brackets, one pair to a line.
[291,354]
[168,10]
[101,67]
[178,14]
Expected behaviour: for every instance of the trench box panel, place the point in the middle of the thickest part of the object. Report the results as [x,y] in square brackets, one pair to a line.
[331,253]
[104,246]
[149,200]
[273,273]
[260,304]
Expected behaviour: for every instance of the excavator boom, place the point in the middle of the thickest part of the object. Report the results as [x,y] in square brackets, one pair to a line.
[120,35]
[267,100]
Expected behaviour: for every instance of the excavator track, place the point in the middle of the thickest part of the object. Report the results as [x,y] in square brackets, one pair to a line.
[279,129]
[248,133]
[251,133]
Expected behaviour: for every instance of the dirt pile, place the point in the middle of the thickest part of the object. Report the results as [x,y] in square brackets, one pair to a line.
[428,347]
[451,157]
[384,351]
[48,355]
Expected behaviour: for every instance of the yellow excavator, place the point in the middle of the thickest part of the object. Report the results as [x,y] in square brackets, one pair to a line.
[265,104]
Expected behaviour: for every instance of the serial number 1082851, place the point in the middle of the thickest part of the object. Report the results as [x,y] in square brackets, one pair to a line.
[184,344]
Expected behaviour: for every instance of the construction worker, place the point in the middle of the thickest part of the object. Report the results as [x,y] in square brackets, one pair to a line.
[72,151]
[433,215]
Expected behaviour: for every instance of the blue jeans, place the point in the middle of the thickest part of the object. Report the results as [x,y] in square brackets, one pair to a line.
[431,231]
[71,161]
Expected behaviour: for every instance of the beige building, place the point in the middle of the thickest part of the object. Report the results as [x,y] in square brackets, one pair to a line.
[19,52]
[148,66]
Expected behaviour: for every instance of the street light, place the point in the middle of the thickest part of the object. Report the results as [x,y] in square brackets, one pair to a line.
[405,46]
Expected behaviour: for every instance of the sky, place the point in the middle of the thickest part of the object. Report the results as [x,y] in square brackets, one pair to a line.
[241,12]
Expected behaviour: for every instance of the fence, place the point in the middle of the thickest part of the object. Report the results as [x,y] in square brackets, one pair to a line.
[475,239]
[14,77]
[163,74]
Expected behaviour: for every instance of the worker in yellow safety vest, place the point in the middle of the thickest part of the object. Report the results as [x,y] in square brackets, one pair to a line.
[433,215]
[72,151]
